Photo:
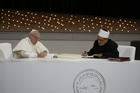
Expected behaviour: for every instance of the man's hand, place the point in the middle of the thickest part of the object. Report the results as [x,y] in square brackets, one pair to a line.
[84,53]
[42,54]
[98,55]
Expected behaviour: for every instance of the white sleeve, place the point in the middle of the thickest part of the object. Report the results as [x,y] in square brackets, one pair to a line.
[41,48]
[20,45]
[26,54]
[23,45]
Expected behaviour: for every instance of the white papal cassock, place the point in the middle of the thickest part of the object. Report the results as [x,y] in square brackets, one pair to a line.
[28,49]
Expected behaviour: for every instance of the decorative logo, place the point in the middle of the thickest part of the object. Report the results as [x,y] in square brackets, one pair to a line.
[89,81]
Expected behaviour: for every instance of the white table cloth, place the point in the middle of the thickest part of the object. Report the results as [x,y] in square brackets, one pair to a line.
[69,76]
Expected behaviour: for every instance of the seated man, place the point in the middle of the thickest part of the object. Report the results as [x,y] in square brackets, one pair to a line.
[30,46]
[103,47]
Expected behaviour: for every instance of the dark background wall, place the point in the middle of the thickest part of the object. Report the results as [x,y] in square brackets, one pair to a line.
[115,8]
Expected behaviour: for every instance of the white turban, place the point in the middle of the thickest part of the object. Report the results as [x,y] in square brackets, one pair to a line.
[103,33]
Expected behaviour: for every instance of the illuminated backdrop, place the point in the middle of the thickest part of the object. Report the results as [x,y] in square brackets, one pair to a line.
[21,21]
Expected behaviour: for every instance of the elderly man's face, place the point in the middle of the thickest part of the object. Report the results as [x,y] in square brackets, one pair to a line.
[34,37]
[102,41]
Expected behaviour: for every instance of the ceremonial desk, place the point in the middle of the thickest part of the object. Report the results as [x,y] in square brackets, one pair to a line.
[58,75]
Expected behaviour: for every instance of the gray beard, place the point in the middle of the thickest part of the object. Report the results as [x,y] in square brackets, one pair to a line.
[102,44]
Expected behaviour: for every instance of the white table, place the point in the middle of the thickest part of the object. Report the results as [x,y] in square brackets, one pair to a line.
[69,76]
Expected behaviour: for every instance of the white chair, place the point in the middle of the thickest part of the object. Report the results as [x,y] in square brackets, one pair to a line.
[6,51]
[127,51]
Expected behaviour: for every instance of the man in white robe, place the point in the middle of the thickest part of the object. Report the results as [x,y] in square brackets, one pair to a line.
[30,47]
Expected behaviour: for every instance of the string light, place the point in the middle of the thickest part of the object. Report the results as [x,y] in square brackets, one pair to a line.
[55,16]
[46,16]
[120,25]
[27,28]
[51,25]
[25,15]
[35,21]
[78,20]
[3,21]
[96,24]
[48,24]
[27,19]
[28,12]
[44,23]
[3,27]
[68,21]
[73,23]
[23,20]
[38,26]
[42,16]
[113,21]
[22,15]
[32,13]
[42,28]
[31,20]
[79,28]
[39,23]
[53,30]
[124,27]
[35,14]
[89,30]
[14,24]
[61,20]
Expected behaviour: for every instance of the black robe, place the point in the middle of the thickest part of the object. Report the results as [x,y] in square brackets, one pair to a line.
[108,50]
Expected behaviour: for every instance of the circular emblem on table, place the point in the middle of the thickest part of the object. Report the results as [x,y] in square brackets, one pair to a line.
[89,81]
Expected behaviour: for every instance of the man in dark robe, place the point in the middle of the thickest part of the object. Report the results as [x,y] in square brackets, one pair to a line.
[103,47]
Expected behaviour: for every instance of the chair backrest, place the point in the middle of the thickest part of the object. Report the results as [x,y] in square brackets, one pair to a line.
[6,51]
[127,51]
